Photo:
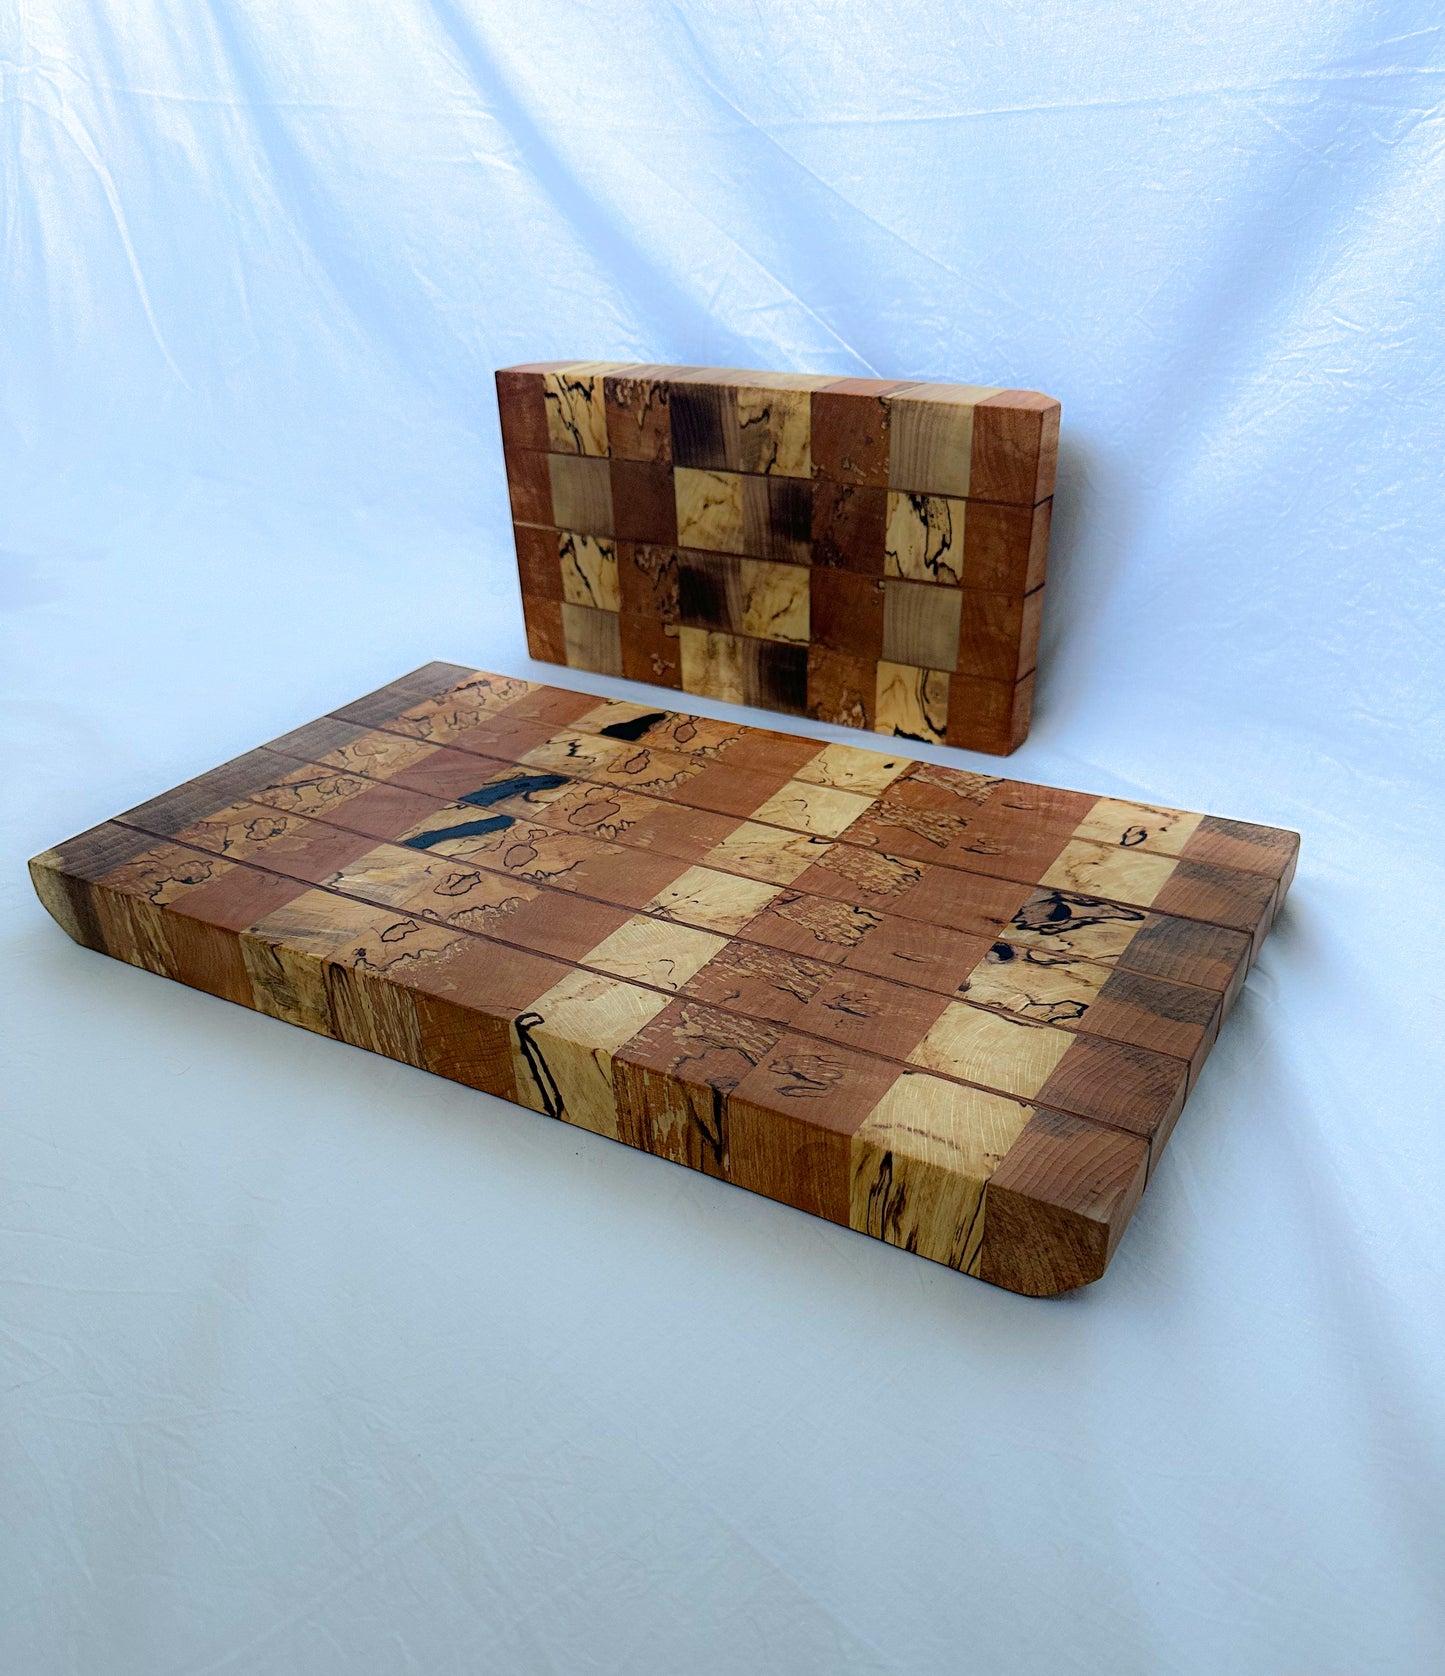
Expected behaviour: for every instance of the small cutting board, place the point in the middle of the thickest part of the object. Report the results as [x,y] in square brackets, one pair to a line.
[864,551]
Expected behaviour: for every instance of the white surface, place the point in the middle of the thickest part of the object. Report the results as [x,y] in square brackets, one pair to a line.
[312,1363]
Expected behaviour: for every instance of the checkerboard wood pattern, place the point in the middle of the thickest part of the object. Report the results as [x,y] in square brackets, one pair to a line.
[953,1011]
[861,551]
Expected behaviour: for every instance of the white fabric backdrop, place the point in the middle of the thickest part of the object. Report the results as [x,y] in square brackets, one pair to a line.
[311,1363]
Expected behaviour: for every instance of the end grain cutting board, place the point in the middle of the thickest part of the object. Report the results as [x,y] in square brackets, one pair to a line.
[859,550]
[956,1012]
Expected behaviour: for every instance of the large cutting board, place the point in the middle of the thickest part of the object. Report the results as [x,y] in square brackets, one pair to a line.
[956,1012]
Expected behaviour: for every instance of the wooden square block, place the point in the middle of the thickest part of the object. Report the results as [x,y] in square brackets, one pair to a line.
[737,670]
[589,571]
[841,688]
[576,410]
[1119,821]
[546,639]
[529,486]
[713,901]
[778,518]
[1005,548]
[725,790]
[710,510]
[850,422]
[1223,897]
[921,624]
[868,478]
[674,1077]
[775,431]
[550,922]
[767,752]
[1013,1054]
[563,1047]
[804,806]
[775,600]
[999,634]
[871,1014]
[911,703]
[1058,1203]
[538,565]
[647,579]
[1015,447]
[775,675]
[790,1120]
[650,650]
[625,877]
[849,527]
[743,596]
[711,664]
[988,715]
[851,768]
[763,852]
[908,951]
[643,506]
[921,1164]
[709,592]
[659,955]
[847,615]
[762,983]
[1124,1087]
[926,537]
[522,409]
[933,426]
[581,494]
[638,422]
[1242,845]
[593,639]
[704,422]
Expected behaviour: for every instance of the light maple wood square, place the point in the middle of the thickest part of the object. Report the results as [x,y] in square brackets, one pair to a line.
[589,571]
[1113,820]
[576,409]
[805,807]
[775,430]
[715,901]
[1003,1053]
[562,1046]
[925,538]
[709,510]
[851,768]
[767,853]
[775,600]
[1033,983]
[646,951]
[1130,876]
[712,664]
[911,703]
[921,1160]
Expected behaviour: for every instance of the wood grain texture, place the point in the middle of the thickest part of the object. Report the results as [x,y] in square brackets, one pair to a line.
[908,525]
[713,942]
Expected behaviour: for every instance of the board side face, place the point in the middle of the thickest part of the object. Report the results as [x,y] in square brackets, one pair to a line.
[686,936]
[862,551]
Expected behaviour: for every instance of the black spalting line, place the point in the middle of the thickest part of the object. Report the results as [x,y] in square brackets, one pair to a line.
[518,786]
[468,829]
[633,731]
[1053,911]
[552,1102]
